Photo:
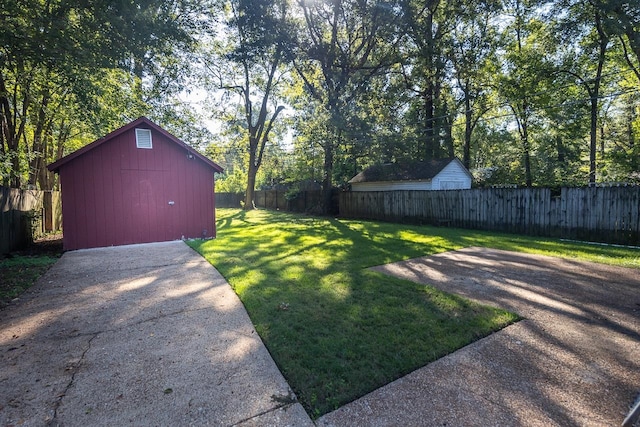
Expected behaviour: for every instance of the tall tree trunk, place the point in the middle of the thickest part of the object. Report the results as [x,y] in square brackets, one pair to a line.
[15,180]
[38,149]
[521,114]
[443,128]
[430,92]
[249,197]
[631,138]
[327,181]
[527,154]
[449,137]
[12,130]
[46,178]
[593,139]
[466,156]
[429,133]
[560,150]
[250,193]
[595,92]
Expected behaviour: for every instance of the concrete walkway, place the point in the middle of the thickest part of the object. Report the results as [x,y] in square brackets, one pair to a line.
[137,335]
[573,361]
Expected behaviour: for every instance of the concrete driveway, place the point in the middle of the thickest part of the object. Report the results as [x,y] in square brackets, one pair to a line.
[573,361]
[137,335]
[153,335]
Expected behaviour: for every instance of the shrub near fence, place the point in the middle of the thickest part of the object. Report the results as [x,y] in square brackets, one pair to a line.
[602,214]
[27,214]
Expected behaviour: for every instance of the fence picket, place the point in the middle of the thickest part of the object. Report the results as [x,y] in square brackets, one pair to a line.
[595,213]
[605,214]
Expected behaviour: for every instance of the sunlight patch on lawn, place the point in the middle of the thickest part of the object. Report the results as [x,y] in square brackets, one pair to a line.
[293,272]
[337,330]
[336,285]
[246,280]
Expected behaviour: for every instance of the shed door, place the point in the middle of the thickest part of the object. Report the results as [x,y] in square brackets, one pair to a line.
[150,208]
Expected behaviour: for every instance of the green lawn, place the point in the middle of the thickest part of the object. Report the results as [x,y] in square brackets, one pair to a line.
[337,330]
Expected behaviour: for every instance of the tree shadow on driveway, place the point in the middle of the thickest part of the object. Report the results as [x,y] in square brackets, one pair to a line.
[143,335]
[573,360]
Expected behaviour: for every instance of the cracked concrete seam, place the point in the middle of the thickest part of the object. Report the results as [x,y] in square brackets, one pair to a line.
[283,406]
[284,403]
[76,368]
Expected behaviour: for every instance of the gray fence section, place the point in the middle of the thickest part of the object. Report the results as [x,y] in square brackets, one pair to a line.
[229,200]
[601,214]
[304,201]
[27,214]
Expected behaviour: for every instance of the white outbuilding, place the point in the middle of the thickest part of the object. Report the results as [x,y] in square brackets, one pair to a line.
[436,174]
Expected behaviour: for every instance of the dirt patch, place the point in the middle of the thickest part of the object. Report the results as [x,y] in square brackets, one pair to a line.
[45,246]
[48,246]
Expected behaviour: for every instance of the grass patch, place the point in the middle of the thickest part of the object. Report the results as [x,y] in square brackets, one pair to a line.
[19,272]
[338,331]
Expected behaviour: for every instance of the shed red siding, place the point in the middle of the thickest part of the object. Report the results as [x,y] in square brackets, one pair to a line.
[118,194]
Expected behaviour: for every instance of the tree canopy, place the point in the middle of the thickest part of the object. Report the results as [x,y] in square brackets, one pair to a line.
[524,92]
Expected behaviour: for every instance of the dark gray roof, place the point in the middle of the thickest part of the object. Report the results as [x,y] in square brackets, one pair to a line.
[413,171]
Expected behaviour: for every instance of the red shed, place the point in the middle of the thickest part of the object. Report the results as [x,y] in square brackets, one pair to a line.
[138,184]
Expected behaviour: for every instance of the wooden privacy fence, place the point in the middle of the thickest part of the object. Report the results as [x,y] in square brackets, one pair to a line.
[27,214]
[229,200]
[601,214]
[304,201]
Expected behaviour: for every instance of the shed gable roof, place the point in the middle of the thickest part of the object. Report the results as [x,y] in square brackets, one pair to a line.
[413,171]
[142,121]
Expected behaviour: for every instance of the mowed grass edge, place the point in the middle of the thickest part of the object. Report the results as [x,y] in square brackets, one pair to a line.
[337,330]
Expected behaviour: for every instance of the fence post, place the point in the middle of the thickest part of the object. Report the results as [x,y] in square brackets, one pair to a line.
[47,205]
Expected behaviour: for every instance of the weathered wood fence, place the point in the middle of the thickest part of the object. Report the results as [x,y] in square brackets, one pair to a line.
[601,214]
[229,200]
[304,201]
[27,214]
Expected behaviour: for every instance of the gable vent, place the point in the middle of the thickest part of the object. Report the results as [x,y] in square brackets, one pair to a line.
[143,138]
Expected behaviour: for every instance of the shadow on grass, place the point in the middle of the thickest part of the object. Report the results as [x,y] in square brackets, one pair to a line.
[336,330]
